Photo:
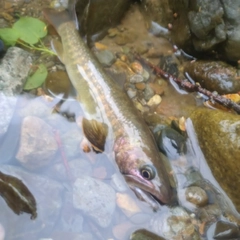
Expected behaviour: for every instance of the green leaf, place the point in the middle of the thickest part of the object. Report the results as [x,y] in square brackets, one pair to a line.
[9,36]
[37,79]
[30,29]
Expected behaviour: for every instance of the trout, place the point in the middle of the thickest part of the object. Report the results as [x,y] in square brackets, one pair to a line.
[110,114]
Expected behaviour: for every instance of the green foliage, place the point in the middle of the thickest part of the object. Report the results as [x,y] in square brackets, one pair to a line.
[30,30]
[27,31]
[37,79]
[9,36]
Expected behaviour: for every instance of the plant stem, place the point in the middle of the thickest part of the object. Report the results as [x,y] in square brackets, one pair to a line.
[41,49]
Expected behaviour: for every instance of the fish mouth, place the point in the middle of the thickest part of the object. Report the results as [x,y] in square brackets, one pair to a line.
[147,191]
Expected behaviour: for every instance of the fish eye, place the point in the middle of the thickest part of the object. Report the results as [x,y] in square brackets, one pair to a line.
[148,172]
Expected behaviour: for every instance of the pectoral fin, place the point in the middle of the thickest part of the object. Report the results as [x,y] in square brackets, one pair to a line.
[96,133]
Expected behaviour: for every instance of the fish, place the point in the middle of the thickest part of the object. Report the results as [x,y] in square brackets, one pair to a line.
[108,113]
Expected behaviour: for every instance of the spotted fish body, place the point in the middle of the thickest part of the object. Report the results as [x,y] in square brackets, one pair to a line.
[105,104]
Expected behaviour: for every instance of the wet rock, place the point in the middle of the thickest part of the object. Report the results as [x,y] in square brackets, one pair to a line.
[197,196]
[175,224]
[215,27]
[14,68]
[99,206]
[131,92]
[34,107]
[61,235]
[106,58]
[71,140]
[143,234]
[207,25]
[194,197]
[37,143]
[127,204]
[148,92]
[140,86]
[157,88]
[118,183]
[123,230]
[218,136]
[136,78]
[136,67]
[214,76]
[47,194]
[171,143]
[77,167]
[154,101]
[226,230]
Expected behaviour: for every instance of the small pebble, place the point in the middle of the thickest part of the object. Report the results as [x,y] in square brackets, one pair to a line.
[127,204]
[154,101]
[100,46]
[106,57]
[197,196]
[157,88]
[137,67]
[131,93]
[136,78]
[140,86]
[148,92]
[145,75]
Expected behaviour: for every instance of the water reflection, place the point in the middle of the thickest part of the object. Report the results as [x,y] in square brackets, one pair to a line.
[78,194]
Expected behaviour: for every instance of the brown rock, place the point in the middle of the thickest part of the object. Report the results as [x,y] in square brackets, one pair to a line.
[140,86]
[37,143]
[157,88]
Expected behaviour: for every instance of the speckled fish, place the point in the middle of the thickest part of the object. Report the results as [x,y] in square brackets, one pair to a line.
[109,113]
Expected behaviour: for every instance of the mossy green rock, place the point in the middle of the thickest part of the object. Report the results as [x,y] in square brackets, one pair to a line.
[219,138]
[143,234]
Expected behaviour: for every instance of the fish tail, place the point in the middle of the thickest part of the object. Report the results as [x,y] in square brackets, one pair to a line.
[57,18]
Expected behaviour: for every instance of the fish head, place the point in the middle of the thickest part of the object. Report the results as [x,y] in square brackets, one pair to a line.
[143,171]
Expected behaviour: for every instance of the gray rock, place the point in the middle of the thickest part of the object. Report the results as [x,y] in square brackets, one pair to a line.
[148,93]
[99,206]
[78,167]
[136,78]
[37,143]
[106,58]
[71,142]
[175,224]
[14,68]
[35,107]
[131,93]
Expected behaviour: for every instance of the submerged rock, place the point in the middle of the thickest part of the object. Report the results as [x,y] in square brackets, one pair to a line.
[106,58]
[143,234]
[218,134]
[99,206]
[37,143]
[214,76]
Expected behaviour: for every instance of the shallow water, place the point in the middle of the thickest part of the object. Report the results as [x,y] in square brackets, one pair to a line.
[108,209]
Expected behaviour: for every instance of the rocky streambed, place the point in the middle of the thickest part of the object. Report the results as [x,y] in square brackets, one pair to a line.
[60,191]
